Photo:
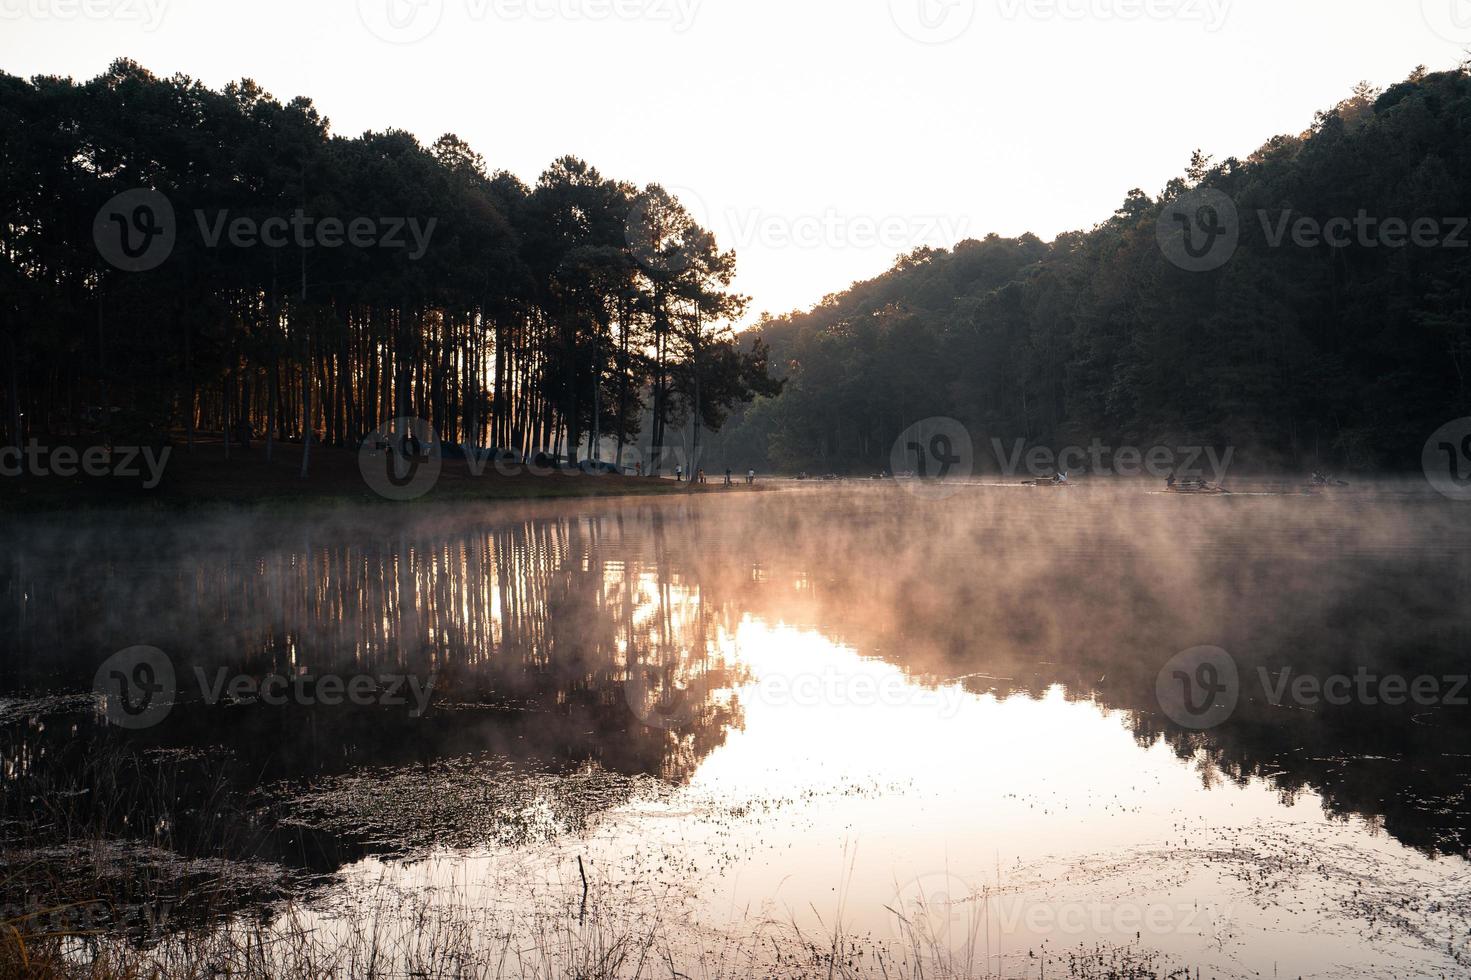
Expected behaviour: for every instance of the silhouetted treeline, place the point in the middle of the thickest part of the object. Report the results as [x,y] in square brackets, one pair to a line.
[1343,356]
[526,318]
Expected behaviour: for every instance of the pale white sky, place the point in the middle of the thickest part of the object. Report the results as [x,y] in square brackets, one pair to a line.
[820,138]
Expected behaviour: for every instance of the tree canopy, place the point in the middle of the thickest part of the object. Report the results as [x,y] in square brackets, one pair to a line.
[375,278]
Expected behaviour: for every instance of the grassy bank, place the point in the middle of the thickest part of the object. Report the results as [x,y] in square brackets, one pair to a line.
[586,935]
[206,476]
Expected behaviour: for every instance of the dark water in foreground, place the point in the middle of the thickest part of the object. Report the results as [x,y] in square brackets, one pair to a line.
[836,706]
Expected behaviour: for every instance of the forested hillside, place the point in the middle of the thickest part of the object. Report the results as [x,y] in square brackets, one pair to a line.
[1346,352]
[179,259]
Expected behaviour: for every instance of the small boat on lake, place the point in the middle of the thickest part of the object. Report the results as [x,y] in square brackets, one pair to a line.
[1194,486]
[1321,482]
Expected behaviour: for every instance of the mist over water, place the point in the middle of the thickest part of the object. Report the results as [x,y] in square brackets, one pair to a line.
[748,701]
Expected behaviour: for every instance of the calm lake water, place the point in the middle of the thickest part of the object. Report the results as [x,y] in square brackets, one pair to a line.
[955,729]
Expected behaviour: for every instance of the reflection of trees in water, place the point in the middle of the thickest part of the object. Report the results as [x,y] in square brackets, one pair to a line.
[543,615]
[532,629]
[1018,598]
[560,636]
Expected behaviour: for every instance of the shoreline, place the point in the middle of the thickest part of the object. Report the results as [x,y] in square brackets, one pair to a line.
[205,478]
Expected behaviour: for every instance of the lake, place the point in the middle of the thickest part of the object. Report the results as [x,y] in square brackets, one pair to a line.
[848,729]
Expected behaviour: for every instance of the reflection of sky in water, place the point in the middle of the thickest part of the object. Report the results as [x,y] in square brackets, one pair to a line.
[1024,823]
